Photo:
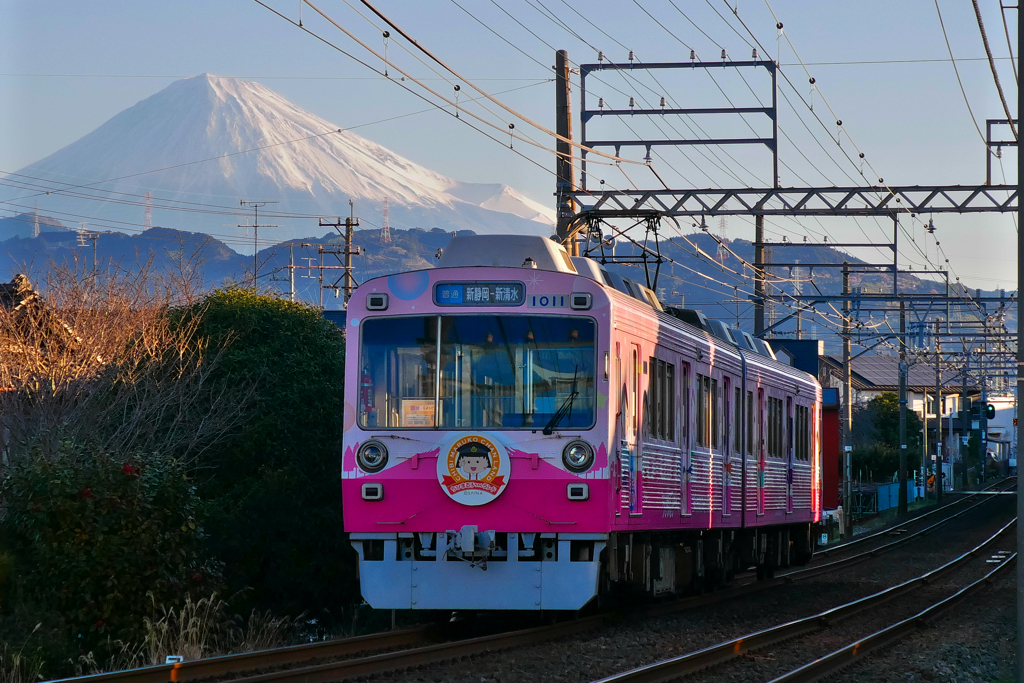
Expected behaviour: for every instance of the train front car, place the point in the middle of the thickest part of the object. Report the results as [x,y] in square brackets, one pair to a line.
[475,467]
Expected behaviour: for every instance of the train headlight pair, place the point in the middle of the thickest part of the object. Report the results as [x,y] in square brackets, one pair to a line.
[578,456]
[372,456]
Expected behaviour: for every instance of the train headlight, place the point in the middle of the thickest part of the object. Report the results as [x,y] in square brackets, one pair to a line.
[578,456]
[372,456]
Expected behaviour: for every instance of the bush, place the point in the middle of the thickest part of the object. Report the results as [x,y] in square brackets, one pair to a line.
[876,462]
[273,488]
[93,534]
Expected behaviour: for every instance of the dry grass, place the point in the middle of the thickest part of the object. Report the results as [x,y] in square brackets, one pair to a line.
[15,667]
[200,629]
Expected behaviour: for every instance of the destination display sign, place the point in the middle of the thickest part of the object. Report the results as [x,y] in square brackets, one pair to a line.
[479,294]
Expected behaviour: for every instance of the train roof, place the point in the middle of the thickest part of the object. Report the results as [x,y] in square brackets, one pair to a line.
[541,253]
[506,251]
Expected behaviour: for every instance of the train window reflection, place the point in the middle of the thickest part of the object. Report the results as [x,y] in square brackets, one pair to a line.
[499,372]
[514,372]
[398,372]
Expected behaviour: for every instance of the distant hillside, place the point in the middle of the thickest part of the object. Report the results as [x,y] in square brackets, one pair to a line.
[24,224]
[698,275]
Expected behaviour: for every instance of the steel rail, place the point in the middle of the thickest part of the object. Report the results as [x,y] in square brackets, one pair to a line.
[670,669]
[867,555]
[197,669]
[391,661]
[823,666]
[895,527]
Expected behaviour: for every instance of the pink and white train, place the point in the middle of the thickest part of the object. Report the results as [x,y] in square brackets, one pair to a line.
[525,430]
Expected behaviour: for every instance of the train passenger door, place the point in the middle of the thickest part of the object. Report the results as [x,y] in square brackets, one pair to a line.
[687,442]
[727,448]
[762,455]
[632,454]
[790,454]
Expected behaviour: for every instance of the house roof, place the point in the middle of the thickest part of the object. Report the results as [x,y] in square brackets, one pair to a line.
[874,372]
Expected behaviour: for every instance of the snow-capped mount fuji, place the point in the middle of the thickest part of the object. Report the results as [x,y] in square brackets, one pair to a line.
[219,140]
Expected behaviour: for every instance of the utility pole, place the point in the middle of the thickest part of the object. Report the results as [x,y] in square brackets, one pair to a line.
[903,407]
[938,413]
[350,223]
[291,273]
[255,235]
[1020,497]
[847,416]
[983,416]
[759,275]
[94,236]
[564,161]
[965,421]
[348,280]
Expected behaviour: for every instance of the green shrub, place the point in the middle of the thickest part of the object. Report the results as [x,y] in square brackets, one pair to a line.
[93,534]
[273,487]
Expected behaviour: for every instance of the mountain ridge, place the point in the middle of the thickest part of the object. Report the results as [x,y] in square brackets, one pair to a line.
[204,143]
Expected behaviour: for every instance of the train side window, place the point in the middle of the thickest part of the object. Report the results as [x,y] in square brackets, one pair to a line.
[790,445]
[750,422]
[635,388]
[662,399]
[700,422]
[684,402]
[737,420]
[776,428]
[803,423]
[653,394]
[699,411]
[715,428]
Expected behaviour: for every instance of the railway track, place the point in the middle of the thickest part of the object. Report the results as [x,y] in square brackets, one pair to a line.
[900,527]
[866,555]
[689,663]
[420,645]
[844,656]
[212,667]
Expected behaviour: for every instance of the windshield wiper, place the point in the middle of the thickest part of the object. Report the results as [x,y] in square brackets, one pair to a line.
[565,408]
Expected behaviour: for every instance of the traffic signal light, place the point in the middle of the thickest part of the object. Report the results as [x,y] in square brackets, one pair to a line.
[990,412]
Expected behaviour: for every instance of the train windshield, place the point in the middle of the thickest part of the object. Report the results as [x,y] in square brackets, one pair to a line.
[496,372]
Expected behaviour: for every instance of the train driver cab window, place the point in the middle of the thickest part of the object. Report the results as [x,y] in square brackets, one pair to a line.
[517,372]
[480,371]
[398,372]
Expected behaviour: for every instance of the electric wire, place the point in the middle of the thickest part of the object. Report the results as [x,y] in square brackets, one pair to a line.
[463,79]
[970,111]
[992,66]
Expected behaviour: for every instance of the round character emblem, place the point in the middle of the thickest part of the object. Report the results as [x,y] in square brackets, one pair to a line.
[473,470]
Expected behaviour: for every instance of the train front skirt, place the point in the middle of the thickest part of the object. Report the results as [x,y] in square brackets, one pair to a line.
[469,570]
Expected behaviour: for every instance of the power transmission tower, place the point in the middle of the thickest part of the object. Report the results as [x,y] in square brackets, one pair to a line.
[385,229]
[35,222]
[149,210]
[255,234]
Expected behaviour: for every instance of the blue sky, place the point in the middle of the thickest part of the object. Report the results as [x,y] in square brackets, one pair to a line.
[66,67]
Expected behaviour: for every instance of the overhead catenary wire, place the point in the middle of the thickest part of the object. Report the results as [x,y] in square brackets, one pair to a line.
[824,99]
[468,82]
[992,66]
[960,82]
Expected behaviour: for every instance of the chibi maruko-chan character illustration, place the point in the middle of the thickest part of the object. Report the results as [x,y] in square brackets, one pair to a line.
[473,461]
